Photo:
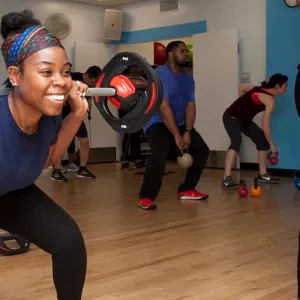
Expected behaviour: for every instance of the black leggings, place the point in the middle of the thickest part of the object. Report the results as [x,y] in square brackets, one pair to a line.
[31,214]
[253,131]
[132,142]
[160,140]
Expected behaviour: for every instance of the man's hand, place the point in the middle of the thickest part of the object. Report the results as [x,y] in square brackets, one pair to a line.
[187,138]
[180,142]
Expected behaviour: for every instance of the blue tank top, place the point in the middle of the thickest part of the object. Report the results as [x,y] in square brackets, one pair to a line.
[23,156]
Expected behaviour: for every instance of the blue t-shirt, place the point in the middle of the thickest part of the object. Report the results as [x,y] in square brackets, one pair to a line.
[179,89]
[23,156]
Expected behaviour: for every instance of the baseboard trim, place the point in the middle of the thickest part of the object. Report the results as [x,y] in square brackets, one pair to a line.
[276,172]
[98,155]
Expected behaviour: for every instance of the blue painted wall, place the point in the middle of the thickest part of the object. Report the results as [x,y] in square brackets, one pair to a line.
[162,33]
[283,55]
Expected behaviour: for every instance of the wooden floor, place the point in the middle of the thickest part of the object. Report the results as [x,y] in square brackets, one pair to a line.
[225,248]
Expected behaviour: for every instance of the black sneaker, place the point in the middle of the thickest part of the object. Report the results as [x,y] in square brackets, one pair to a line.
[267,178]
[57,175]
[228,182]
[84,173]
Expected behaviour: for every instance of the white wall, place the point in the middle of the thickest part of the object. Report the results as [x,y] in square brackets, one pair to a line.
[248,16]
[87,20]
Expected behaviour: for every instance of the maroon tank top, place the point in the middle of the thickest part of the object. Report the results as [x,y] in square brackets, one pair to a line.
[246,107]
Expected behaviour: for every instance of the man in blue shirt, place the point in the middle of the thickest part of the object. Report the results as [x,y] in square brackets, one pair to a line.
[173,125]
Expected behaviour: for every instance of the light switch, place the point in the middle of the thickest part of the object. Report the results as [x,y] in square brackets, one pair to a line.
[246,77]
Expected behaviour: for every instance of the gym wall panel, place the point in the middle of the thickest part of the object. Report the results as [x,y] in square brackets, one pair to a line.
[283,55]
[164,32]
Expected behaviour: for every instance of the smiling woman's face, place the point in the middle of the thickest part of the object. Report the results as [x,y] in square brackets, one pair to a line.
[45,80]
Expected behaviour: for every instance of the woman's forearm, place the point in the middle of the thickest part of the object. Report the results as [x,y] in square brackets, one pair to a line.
[268,135]
[69,127]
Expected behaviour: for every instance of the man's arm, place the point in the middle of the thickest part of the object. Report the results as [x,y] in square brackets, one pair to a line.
[168,117]
[190,114]
[268,101]
[165,110]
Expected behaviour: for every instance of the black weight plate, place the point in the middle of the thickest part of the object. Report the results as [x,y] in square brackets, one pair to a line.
[148,104]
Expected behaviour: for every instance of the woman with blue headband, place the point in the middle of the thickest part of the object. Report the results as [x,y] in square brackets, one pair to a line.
[33,137]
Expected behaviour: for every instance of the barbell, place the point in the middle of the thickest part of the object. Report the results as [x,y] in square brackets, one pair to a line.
[139,97]
[91,92]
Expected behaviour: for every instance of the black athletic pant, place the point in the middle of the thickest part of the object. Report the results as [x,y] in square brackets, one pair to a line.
[132,141]
[160,140]
[31,214]
[235,130]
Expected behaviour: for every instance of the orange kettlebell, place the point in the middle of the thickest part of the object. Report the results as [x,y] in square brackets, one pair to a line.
[255,189]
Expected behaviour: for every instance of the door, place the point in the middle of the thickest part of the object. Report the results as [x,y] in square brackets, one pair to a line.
[216,74]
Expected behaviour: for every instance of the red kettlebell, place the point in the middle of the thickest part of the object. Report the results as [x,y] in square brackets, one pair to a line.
[273,158]
[243,190]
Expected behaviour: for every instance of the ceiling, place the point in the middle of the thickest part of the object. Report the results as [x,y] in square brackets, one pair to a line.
[109,3]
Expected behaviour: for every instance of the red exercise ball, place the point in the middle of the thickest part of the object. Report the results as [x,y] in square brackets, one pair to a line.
[159,54]
[298,3]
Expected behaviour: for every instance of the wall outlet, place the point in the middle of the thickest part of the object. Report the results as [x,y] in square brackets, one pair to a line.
[246,77]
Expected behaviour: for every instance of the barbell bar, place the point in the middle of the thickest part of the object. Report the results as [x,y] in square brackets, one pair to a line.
[91,92]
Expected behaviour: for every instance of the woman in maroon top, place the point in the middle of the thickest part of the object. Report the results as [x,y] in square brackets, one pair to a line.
[238,118]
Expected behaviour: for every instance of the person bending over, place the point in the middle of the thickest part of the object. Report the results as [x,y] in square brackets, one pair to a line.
[238,117]
[174,125]
[90,79]
[33,137]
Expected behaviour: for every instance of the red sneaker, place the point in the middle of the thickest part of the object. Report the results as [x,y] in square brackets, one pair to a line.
[147,204]
[192,195]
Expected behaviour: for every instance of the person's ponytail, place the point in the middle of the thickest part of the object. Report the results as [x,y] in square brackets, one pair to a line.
[275,79]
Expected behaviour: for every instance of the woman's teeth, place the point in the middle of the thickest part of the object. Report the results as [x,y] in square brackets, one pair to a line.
[56,97]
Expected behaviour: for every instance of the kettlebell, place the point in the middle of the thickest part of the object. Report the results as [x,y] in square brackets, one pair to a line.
[296,180]
[273,158]
[184,160]
[255,189]
[243,190]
